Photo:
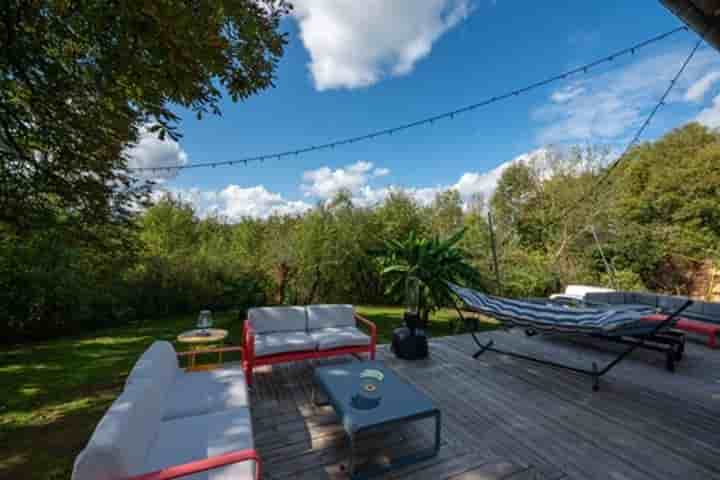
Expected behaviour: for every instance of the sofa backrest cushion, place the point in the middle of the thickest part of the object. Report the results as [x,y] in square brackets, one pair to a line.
[697,309]
[120,443]
[610,298]
[618,298]
[642,298]
[325,316]
[158,363]
[711,312]
[277,319]
[668,304]
[598,297]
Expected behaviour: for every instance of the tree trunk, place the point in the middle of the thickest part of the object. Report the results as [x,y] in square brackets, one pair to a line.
[282,275]
[313,289]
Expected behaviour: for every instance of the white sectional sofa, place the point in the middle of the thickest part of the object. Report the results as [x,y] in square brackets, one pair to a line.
[169,423]
[284,334]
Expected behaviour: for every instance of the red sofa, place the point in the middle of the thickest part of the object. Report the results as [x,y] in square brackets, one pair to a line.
[285,334]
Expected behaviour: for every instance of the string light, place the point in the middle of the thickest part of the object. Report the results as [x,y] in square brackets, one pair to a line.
[446,115]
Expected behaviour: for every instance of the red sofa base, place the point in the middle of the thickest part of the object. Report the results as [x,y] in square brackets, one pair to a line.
[184,470]
[306,355]
[695,326]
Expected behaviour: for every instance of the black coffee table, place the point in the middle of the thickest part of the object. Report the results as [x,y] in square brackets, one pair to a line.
[399,403]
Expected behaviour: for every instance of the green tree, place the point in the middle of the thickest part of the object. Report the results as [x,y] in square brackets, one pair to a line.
[663,208]
[399,215]
[446,214]
[53,284]
[79,80]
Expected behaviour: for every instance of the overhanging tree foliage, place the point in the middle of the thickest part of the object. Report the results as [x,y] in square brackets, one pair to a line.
[78,79]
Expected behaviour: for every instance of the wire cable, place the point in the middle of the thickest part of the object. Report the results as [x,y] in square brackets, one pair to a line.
[584,69]
[623,157]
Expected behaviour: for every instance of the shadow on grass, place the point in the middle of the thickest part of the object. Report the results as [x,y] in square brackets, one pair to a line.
[46,448]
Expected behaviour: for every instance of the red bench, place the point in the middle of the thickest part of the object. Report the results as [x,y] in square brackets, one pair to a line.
[286,334]
[710,329]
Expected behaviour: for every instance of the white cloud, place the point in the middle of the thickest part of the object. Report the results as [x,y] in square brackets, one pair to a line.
[697,90]
[475,183]
[710,116]
[609,105]
[356,43]
[325,183]
[255,202]
[151,152]
[370,197]
[235,203]
[424,196]
[566,94]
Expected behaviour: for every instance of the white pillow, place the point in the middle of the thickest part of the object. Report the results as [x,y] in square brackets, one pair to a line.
[277,319]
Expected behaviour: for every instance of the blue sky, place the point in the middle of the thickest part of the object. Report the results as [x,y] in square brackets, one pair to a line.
[353,67]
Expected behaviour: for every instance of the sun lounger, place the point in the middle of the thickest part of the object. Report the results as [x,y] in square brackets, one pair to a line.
[631,325]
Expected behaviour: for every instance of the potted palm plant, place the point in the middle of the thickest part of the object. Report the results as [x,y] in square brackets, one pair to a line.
[419,270]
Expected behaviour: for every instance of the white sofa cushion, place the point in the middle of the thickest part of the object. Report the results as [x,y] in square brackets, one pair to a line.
[335,337]
[195,438]
[159,363]
[277,319]
[118,447]
[325,316]
[198,393]
[282,342]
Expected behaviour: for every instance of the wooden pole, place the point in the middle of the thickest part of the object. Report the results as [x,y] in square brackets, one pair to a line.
[494,253]
[608,268]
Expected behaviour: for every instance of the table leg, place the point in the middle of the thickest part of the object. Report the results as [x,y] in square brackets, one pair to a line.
[404,460]
[314,397]
[436,449]
[351,463]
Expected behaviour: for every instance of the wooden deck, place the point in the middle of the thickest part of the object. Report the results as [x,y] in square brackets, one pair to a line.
[505,418]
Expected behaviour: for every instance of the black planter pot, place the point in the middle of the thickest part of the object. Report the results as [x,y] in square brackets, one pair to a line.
[410,342]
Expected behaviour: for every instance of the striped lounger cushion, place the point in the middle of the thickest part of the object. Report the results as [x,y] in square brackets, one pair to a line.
[559,318]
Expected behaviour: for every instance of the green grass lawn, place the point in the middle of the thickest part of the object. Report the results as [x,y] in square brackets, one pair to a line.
[53,393]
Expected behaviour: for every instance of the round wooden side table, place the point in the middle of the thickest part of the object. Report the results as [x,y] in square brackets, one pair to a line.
[198,340]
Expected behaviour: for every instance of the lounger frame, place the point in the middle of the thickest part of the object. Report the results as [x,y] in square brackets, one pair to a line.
[658,339]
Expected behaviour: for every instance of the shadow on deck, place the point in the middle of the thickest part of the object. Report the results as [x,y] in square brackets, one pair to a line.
[508,419]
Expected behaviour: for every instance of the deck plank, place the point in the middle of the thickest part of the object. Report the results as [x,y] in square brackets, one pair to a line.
[507,419]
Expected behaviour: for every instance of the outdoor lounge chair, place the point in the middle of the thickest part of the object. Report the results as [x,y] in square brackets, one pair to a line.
[636,326]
